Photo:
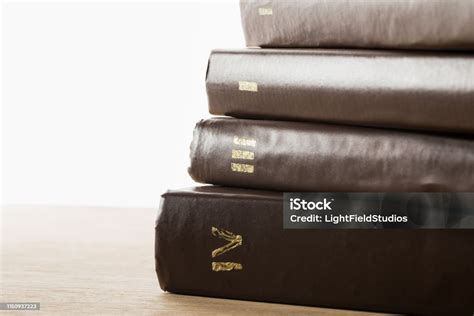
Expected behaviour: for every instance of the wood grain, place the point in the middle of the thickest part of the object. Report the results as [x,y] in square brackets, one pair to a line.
[100,261]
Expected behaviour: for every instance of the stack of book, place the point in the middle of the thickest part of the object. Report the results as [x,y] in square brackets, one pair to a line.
[351,96]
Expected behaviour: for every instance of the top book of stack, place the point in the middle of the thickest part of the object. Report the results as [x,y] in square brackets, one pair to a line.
[394,24]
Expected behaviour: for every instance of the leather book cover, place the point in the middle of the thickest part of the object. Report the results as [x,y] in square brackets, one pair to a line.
[406,90]
[296,156]
[230,243]
[399,24]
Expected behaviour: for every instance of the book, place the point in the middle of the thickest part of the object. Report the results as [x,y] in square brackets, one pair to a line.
[407,90]
[230,243]
[296,156]
[400,24]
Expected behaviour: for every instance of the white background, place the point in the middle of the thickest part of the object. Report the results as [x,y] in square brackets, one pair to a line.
[100,99]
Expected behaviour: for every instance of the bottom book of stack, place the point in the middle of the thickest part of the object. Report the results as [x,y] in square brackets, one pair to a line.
[230,243]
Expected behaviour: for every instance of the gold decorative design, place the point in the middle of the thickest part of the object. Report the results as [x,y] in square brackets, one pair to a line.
[242,141]
[242,167]
[242,154]
[233,239]
[226,266]
[248,86]
[265,11]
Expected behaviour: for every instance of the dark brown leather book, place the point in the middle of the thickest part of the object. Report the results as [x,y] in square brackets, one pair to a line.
[230,243]
[295,156]
[408,90]
[401,24]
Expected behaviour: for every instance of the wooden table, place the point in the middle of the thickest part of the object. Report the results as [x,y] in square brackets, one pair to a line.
[99,261]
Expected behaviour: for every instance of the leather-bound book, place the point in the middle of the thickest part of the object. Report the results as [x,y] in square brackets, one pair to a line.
[296,156]
[407,90]
[400,24]
[230,243]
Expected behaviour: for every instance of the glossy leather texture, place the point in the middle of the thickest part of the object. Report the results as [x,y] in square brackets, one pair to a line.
[295,156]
[400,271]
[400,24]
[407,90]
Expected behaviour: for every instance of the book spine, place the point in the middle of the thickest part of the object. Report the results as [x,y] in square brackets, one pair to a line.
[292,156]
[424,24]
[421,91]
[234,247]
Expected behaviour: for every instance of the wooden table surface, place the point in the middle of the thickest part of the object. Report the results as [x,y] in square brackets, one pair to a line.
[99,261]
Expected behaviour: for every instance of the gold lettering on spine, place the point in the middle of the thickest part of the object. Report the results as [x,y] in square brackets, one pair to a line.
[233,239]
[226,266]
[248,86]
[242,167]
[265,11]
[234,242]
[242,154]
[242,141]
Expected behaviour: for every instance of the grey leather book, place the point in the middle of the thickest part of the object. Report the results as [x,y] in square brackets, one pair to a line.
[408,90]
[400,24]
[294,156]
